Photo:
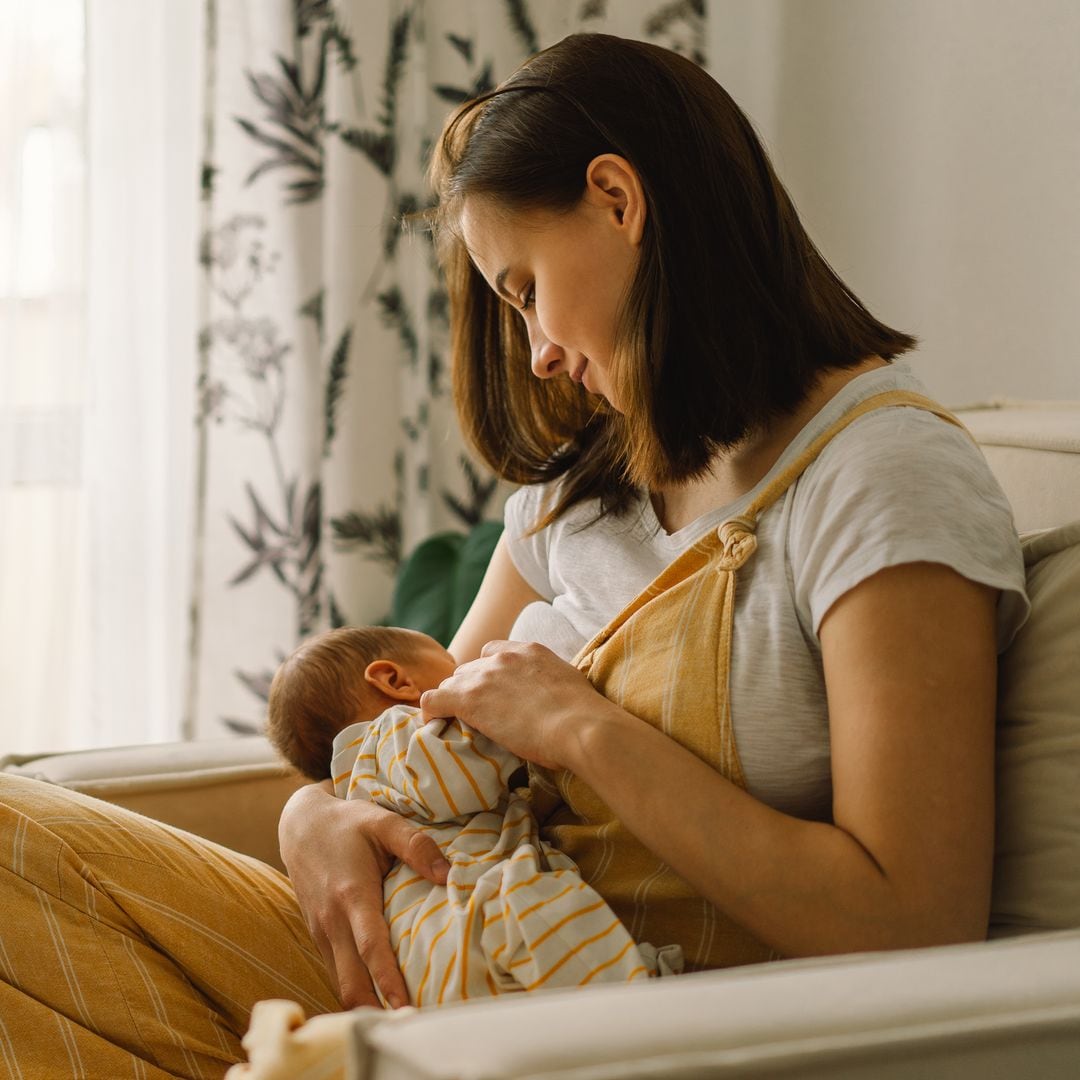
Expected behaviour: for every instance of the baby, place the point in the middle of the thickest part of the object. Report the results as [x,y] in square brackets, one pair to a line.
[514,914]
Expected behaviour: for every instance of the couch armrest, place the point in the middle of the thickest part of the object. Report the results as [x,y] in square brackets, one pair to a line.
[227,790]
[1003,1008]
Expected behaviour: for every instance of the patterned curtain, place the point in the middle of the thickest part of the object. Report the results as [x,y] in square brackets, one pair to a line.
[327,445]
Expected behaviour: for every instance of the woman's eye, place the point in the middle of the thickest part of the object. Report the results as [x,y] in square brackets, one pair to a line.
[529,299]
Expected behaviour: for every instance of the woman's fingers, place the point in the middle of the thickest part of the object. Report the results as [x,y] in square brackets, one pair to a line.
[331,930]
[360,959]
[414,847]
[357,953]
[342,898]
[326,951]
[433,704]
[363,957]
[353,925]
[372,963]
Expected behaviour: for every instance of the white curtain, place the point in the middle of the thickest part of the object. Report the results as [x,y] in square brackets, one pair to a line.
[42,385]
[143,129]
[224,407]
[98,135]
[328,445]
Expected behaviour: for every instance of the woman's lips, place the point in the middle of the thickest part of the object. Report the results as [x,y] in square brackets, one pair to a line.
[578,375]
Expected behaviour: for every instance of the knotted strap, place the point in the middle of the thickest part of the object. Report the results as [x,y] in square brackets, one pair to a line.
[738,541]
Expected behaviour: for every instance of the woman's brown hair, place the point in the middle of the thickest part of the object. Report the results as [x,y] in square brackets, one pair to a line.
[732,313]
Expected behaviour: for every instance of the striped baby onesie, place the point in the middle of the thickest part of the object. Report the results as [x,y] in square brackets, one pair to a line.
[514,914]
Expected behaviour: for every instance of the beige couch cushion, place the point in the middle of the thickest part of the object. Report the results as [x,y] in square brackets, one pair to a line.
[228,790]
[1033,448]
[1037,864]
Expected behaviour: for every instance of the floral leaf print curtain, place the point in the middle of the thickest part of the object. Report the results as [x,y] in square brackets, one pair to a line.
[327,445]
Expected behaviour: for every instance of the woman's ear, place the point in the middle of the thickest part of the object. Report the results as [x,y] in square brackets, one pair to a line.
[390,678]
[613,184]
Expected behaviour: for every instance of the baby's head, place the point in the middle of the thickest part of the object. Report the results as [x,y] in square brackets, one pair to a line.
[343,677]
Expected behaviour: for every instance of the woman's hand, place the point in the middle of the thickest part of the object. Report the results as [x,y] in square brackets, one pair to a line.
[338,853]
[523,697]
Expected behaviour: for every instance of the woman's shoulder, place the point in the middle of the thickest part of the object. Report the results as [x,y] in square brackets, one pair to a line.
[522,508]
[526,507]
[896,446]
[902,464]
[900,437]
[906,454]
[901,484]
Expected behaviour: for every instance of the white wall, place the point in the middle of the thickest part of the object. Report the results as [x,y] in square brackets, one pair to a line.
[933,150]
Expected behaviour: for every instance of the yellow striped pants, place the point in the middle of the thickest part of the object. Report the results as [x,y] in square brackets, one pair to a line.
[131,949]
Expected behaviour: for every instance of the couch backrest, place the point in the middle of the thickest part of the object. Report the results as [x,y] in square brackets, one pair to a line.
[1033,448]
[1037,837]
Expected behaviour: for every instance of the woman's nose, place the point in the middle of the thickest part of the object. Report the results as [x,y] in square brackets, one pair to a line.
[547,357]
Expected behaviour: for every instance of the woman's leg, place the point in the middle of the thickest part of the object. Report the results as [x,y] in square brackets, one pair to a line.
[128,948]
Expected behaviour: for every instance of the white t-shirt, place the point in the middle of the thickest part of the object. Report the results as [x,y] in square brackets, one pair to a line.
[898,485]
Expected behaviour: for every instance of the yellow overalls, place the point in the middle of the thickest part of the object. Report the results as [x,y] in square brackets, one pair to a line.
[666,659]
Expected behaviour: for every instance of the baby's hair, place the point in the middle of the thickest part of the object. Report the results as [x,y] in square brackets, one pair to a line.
[320,689]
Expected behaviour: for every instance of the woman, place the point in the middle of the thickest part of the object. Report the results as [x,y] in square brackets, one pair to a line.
[643,328]
[790,586]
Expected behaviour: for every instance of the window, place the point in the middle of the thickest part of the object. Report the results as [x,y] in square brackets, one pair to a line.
[42,366]
[99,152]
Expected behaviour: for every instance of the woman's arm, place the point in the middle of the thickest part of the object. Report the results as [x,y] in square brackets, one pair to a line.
[502,596]
[909,660]
[342,897]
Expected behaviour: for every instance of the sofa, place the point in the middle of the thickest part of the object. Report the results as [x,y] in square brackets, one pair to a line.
[1006,1007]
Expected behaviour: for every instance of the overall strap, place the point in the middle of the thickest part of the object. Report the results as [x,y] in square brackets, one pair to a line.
[737,534]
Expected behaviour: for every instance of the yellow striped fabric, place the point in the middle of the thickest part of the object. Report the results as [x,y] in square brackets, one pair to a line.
[514,914]
[130,949]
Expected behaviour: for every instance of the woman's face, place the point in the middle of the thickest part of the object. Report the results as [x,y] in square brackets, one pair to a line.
[566,274]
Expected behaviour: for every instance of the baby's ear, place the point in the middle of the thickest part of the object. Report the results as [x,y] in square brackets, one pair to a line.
[390,678]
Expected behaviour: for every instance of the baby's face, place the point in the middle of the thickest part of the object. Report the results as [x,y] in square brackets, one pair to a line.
[430,664]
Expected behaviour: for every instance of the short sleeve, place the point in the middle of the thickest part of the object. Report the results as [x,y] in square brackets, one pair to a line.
[898,486]
[529,552]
